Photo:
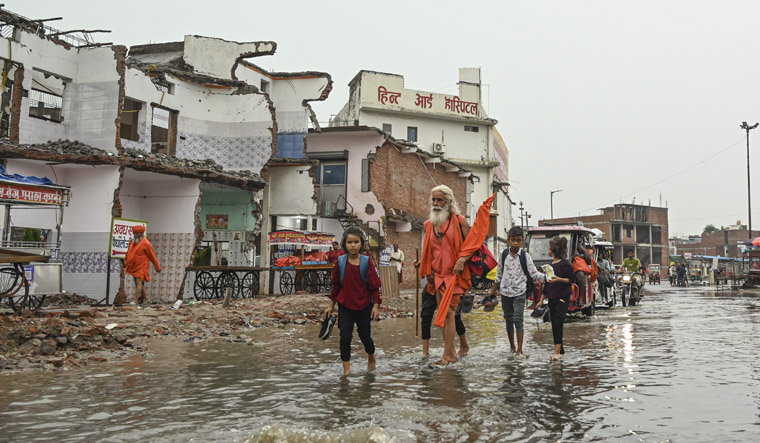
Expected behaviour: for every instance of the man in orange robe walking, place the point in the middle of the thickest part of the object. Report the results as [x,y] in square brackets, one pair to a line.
[140,255]
[445,231]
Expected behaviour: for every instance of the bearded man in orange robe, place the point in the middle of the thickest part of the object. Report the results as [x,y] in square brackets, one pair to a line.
[445,232]
[140,255]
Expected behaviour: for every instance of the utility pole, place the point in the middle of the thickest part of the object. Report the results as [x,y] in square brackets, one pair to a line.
[749,191]
[551,201]
[522,226]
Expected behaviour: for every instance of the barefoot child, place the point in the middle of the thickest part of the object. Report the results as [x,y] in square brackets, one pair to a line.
[515,267]
[355,287]
[558,290]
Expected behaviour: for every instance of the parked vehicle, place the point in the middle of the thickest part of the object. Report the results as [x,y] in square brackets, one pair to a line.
[653,274]
[537,245]
[695,274]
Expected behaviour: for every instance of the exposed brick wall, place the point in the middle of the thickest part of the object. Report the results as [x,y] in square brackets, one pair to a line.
[120,54]
[18,86]
[400,181]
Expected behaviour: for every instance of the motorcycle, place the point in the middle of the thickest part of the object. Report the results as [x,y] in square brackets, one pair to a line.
[628,288]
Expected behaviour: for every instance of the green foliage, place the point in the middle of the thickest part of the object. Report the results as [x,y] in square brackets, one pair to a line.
[203,257]
[710,228]
[31,235]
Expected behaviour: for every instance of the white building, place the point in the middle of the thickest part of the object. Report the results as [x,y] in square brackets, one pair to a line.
[455,126]
[158,115]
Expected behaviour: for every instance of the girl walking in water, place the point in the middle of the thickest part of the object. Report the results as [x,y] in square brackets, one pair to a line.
[355,288]
[558,290]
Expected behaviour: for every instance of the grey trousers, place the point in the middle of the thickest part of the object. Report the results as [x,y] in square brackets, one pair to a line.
[513,308]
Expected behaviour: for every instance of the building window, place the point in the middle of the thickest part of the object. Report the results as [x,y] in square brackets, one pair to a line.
[265,86]
[468,128]
[129,119]
[45,105]
[617,235]
[388,128]
[162,136]
[411,133]
[628,231]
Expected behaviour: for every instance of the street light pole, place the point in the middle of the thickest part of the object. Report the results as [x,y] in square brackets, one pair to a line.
[551,201]
[521,216]
[748,128]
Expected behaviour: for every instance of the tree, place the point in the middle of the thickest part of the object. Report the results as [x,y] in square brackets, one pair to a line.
[709,228]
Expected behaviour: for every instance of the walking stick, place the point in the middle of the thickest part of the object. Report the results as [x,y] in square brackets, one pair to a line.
[417,298]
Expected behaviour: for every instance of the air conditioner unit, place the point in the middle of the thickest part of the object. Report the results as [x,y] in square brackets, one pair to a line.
[439,148]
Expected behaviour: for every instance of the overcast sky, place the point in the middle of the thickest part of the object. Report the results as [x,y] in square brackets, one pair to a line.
[605,100]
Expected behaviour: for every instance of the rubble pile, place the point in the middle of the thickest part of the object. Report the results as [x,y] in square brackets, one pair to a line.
[74,335]
[58,339]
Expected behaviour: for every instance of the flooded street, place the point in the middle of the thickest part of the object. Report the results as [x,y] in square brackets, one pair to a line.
[682,366]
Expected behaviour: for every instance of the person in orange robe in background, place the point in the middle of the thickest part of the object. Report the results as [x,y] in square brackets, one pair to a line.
[140,255]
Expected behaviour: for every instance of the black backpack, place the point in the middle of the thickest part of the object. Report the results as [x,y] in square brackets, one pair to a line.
[530,284]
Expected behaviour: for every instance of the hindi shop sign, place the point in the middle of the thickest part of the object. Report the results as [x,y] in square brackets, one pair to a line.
[30,194]
[121,235]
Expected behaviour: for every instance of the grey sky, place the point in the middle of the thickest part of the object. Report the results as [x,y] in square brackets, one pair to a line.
[601,99]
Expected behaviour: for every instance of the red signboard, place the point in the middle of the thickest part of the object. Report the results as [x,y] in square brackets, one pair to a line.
[300,238]
[17,192]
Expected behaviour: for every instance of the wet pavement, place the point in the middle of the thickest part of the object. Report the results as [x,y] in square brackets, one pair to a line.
[682,366]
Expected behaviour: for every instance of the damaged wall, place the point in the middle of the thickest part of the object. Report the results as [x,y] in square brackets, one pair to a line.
[292,191]
[167,204]
[232,129]
[86,222]
[86,79]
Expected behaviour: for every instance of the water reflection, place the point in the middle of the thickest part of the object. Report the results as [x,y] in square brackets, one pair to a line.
[668,369]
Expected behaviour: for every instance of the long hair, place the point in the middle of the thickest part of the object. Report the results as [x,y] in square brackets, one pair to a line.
[353,230]
[448,194]
[558,246]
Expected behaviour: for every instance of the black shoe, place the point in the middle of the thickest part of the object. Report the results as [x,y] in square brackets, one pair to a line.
[467,302]
[327,327]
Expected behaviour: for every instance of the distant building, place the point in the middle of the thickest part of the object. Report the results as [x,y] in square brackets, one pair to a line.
[724,243]
[638,228]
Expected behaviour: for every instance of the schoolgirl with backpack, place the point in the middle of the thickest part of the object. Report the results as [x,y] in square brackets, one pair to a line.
[356,291]
[515,281]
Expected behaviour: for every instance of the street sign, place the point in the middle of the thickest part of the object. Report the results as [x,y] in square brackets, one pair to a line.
[121,235]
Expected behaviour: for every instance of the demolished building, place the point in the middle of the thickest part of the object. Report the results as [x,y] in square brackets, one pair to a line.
[179,134]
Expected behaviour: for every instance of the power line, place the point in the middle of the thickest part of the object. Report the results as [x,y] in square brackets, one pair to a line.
[665,179]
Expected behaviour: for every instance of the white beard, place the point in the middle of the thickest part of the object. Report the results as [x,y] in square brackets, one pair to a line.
[439,216]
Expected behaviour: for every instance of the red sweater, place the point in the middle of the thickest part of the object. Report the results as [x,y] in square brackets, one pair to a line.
[354,294]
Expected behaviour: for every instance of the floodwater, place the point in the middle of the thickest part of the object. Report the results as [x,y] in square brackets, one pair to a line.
[682,366]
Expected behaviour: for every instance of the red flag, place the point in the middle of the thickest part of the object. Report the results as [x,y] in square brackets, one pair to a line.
[472,243]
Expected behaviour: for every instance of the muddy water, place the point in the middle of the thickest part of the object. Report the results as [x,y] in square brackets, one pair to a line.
[681,366]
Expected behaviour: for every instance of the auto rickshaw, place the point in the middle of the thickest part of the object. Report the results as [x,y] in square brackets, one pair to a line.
[537,245]
[695,274]
[653,274]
